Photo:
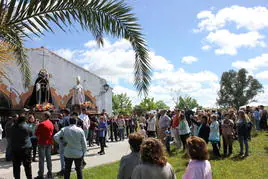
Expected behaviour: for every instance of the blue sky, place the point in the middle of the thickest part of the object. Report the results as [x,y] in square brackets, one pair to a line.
[191,43]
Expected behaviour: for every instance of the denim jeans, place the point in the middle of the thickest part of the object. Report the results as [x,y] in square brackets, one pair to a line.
[78,167]
[44,151]
[61,152]
[243,140]
[86,133]
[257,125]
[121,134]
[167,141]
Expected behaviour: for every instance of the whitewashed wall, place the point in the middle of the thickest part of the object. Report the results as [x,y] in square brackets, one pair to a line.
[63,78]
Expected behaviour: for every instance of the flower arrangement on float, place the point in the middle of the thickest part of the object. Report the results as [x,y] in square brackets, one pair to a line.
[44,107]
[87,104]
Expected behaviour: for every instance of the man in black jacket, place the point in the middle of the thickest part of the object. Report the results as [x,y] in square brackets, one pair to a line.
[11,121]
[21,147]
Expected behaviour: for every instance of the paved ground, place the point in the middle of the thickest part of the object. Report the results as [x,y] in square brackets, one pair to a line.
[113,153]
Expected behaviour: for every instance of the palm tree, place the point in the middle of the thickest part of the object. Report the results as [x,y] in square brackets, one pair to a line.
[22,19]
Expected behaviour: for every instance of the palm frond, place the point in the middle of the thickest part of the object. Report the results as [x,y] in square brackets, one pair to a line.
[96,16]
[14,43]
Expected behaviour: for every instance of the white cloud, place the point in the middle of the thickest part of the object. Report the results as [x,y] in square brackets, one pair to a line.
[67,53]
[206,47]
[228,43]
[253,18]
[132,94]
[115,62]
[181,76]
[262,75]
[202,85]
[91,44]
[189,59]
[160,63]
[262,97]
[253,63]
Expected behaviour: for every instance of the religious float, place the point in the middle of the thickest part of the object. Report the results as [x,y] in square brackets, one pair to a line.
[41,99]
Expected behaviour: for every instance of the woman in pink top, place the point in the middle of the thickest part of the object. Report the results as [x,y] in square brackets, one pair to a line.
[199,166]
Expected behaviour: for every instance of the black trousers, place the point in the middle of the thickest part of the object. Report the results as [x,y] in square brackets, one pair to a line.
[34,146]
[227,144]
[216,150]
[115,134]
[102,143]
[90,136]
[22,156]
[183,140]
[151,134]
[132,128]
[78,167]
[111,133]
[128,130]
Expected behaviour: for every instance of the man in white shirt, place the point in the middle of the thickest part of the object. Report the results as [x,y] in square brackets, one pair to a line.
[75,147]
[86,122]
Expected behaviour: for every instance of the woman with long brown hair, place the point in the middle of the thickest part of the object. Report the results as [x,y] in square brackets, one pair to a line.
[154,163]
[199,167]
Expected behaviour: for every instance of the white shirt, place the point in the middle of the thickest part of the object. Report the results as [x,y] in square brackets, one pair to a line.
[151,124]
[86,121]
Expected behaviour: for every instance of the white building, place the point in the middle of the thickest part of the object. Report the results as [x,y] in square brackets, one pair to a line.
[62,79]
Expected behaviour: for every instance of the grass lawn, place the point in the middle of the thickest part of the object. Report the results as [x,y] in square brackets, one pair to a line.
[253,167]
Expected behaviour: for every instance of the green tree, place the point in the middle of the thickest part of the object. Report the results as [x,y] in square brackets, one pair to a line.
[161,105]
[19,17]
[148,104]
[237,88]
[121,104]
[139,110]
[187,101]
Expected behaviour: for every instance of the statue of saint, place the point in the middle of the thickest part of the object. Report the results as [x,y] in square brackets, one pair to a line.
[78,96]
[41,91]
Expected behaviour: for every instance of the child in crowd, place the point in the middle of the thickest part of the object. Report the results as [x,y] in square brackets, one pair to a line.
[199,167]
[142,130]
[214,135]
[227,134]
[168,139]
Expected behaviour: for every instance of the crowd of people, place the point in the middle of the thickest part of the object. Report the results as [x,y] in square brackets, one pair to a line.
[71,133]
[190,131]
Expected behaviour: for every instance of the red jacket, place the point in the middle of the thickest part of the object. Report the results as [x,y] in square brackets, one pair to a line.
[175,121]
[44,132]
